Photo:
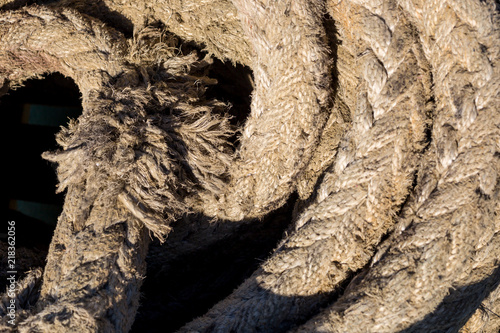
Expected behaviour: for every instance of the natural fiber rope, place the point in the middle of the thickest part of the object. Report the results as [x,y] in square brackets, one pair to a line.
[214,24]
[261,157]
[487,317]
[357,199]
[447,245]
[284,127]
[18,63]
[338,233]
[114,155]
[270,168]
[103,161]
[95,136]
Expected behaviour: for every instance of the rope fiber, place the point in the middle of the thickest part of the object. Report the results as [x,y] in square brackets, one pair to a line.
[382,115]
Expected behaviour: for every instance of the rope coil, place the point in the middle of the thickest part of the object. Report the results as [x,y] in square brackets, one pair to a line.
[395,158]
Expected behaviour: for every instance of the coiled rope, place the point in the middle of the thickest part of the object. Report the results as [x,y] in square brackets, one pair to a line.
[407,148]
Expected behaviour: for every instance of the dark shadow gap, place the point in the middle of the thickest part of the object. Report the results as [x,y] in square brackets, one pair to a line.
[33,115]
[186,277]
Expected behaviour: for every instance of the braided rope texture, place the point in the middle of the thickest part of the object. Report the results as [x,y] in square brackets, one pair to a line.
[443,259]
[110,172]
[283,128]
[407,148]
[270,178]
[337,233]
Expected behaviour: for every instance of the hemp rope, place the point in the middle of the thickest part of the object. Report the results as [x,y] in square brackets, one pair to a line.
[447,244]
[272,156]
[214,23]
[337,234]
[102,161]
[382,31]
[93,140]
[486,318]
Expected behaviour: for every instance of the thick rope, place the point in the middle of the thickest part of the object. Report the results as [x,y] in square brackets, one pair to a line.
[119,159]
[213,24]
[441,263]
[447,235]
[124,160]
[487,316]
[282,133]
[86,62]
[357,199]
[115,134]
[284,126]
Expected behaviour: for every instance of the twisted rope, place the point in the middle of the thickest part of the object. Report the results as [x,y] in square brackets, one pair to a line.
[440,264]
[125,161]
[284,127]
[358,198]
[152,167]
[121,161]
[251,196]
[487,316]
[192,20]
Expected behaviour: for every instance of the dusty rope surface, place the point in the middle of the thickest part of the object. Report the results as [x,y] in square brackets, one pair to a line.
[445,252]
[282,132]
[394,58]
[336,235]
[283,129]
[116,163]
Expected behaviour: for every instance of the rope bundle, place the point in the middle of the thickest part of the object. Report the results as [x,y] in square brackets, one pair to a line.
[394,157]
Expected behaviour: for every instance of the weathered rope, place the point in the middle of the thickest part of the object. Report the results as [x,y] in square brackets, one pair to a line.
[271,156]
[282,132]
[487,316]
[116,134]
[441,263]
[284,127]
[337,234]
[137,162]
[214,24]
[123,160]
[56,307]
